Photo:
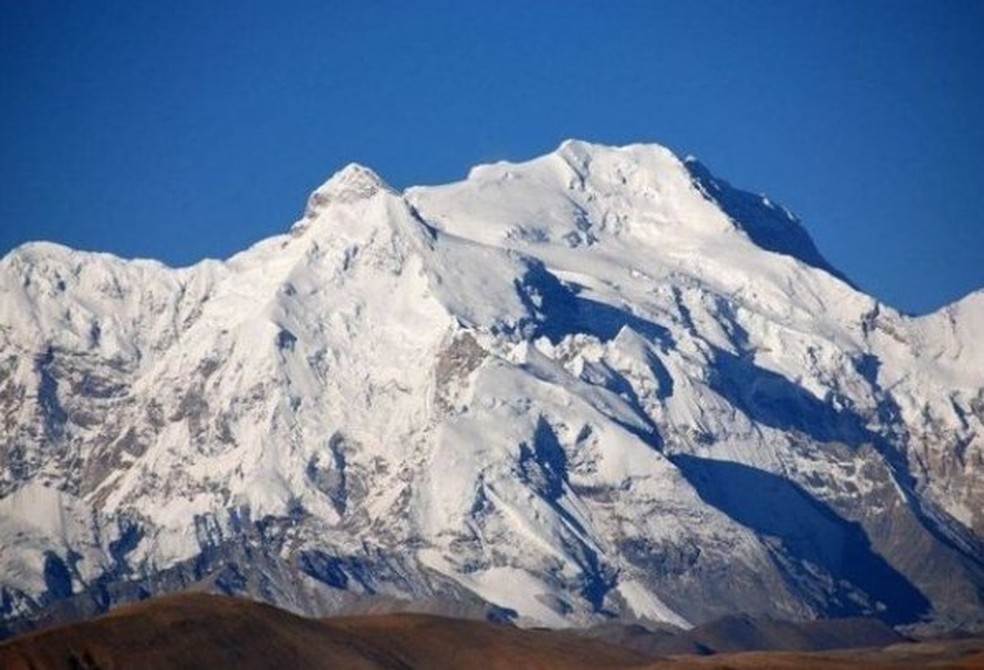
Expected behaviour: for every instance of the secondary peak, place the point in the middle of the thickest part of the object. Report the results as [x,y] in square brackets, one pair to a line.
[352,183]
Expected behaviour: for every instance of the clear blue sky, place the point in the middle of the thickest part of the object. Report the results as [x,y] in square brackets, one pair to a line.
[179,130]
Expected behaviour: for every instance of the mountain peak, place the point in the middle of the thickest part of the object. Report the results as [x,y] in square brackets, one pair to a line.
[581,152]
[352,183]
[769,225]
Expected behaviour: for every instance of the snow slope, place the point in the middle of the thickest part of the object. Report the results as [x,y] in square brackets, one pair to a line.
[601,383]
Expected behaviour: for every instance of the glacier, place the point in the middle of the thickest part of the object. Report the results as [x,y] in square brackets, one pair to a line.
[602,383]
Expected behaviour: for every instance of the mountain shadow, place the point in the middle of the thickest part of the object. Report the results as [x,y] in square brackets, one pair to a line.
[769,226]
[808,533]
[563,311]
[770,399]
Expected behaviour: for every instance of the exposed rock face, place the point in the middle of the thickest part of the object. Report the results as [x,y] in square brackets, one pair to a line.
[600,383]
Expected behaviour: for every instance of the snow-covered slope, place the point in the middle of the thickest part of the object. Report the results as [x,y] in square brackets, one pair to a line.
[599,383]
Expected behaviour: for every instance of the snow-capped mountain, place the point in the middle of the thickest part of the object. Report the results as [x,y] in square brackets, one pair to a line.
[599,383]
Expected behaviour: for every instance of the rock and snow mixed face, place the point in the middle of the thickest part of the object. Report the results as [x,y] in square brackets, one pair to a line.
[599,383]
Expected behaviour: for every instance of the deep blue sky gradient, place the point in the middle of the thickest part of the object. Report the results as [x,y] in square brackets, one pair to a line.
[179,130]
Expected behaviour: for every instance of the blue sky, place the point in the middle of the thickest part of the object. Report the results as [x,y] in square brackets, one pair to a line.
[183,130]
